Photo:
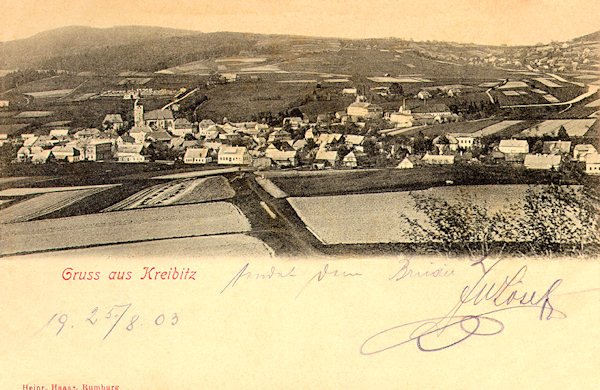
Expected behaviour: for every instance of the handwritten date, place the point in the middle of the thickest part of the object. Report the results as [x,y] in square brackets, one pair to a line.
[110,319]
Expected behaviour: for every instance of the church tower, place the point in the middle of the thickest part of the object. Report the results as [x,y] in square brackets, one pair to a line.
[138,113]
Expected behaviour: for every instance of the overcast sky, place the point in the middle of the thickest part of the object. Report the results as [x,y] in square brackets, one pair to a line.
[479,21]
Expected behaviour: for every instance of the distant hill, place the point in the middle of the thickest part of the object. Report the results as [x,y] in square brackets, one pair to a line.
[149,49]
[75,40]
[593,37]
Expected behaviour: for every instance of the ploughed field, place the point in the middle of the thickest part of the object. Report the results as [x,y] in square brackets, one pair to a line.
[178,192]
[47,200]
[122,227]
[458,214]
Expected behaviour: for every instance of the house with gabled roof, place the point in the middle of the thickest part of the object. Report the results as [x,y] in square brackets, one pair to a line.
[182,126]
[197,156]
[513,146]
[234,155]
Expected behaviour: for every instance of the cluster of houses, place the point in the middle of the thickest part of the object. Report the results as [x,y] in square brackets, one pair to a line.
[255,144]
[447,148]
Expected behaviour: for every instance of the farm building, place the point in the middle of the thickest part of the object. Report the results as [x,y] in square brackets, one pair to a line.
[349,91]
[160,119]
[234,155]
[513,146]
[435,159]
[4,103]
[113,122]
[580,151]
[542,161]
[592,164]
[196,156]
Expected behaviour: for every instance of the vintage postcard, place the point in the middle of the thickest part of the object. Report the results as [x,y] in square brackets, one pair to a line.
[276,195]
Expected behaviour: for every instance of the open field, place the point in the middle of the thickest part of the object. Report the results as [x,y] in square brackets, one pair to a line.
[23,191]
[507,213]
[313,183]
[34,114]
[495,128]
[361,181]
[235,245]
[177,193]
[43,204]
[574,128]
[122,226]
[57,93]
[451,127]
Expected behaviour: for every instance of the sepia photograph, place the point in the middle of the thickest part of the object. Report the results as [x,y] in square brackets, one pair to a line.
[282,195]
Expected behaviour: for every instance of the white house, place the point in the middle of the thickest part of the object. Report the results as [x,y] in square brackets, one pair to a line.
[434,159]
[363,109]
[4,103]
[196,156]
[464,140]
[350,160]
[580,151]
[592,164]
[234,155]
[542,161]
[513,146]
